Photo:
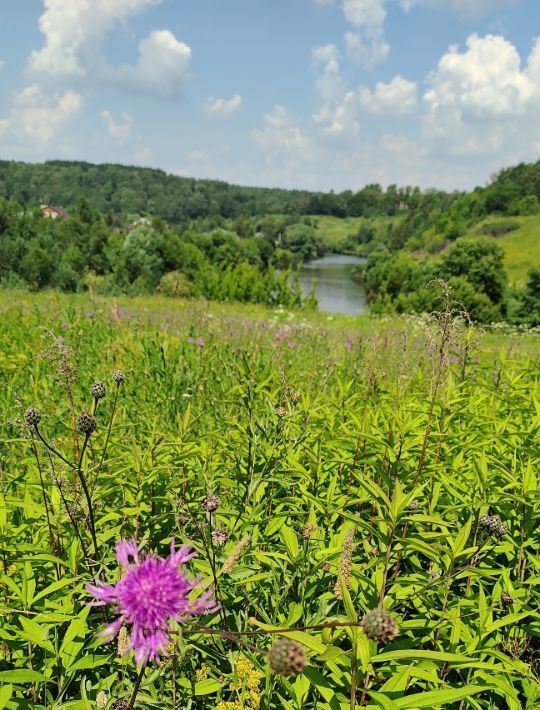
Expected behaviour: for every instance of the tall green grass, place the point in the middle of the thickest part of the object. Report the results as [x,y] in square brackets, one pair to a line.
[353,461]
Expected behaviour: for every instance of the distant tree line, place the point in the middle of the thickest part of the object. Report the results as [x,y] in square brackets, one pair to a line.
[84,253]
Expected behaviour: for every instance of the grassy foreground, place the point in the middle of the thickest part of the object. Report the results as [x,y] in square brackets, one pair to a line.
[354,463]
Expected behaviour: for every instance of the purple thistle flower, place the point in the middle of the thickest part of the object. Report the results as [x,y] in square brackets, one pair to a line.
[191,340]
[152,594]
[200,342]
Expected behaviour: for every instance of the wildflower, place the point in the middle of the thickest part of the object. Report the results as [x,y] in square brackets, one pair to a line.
[210,503]
[152,594]
[281,412]
[98,390]
[287,657]
[236,553]
[345,563]
[295,397]
[118,376]
[32,416]
[220,537]
[200,342]
[86,423]
[348,345]
[202,672]
[380,626]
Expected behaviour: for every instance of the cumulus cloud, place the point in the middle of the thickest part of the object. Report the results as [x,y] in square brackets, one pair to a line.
[121,131]
[368,49]
[282,138]
[485,81]
[399,96]
[162,69]
[35,118]
[221,108]
[74,33]
[482,100]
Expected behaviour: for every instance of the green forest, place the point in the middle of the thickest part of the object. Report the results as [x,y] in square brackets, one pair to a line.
[139,231]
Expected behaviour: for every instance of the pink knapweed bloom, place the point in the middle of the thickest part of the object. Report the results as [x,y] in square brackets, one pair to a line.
[200,342]
[152,594]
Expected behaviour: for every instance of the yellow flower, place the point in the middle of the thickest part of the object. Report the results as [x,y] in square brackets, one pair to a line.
[202,672]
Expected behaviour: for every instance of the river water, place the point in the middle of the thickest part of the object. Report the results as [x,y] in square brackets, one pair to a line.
[336,291]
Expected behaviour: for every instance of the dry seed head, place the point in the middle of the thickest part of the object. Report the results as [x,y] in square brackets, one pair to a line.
[98,390]
[506,598]
[281,412]
[345,563]
[120,705]
[32,416]
[220,537]
[236,553]
[379,626]
[413,505]
[86,423]
[210,503]
[307,530]
[493,525]
[287,657]
[124,645]
[118,376]
[295,397]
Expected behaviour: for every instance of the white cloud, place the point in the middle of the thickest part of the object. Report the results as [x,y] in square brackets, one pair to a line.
[143,155]
[485,81]
[368,49]
[322,3]
[365,13]
[222,108]
[339,119]
[120,132]
[74,33]
[481,101]
[324,54]
[283,140]
[162,69]
[35,118]
[399,96]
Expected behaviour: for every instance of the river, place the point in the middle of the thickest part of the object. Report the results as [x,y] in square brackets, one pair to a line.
[335,289]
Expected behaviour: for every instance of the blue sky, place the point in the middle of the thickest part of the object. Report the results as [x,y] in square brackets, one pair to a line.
[318,94]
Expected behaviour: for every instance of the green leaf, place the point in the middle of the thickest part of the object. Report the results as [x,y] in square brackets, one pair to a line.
[5,694]
[23,676]
[438,698]
[207,686]
[382,700]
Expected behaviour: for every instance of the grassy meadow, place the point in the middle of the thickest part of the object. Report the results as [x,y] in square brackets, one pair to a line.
[321,467]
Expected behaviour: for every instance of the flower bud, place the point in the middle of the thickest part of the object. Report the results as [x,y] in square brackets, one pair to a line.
[287,657]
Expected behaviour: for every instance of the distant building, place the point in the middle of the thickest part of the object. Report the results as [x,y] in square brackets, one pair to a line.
[54,212]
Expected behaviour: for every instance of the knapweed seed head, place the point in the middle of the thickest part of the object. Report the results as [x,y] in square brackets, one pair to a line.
[98,390]
[506,598]
[210,503]
[152,595]
[493,525]
[295,397]
[118,376]
[281,412]
[32,416]
[120,705]
[287,657]
[86,423]
[220,537]
[413,505]
[379,626]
